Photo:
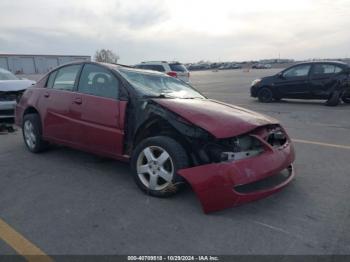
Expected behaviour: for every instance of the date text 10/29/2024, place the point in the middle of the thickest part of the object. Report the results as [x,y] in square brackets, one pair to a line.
[173,258]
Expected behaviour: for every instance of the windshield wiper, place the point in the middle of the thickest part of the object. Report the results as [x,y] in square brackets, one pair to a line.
[162,95]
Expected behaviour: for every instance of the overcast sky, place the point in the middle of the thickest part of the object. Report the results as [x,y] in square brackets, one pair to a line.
[184,30]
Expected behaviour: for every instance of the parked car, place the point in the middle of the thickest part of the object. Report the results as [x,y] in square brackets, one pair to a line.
[312,80]
[261,66]
[174,69]
[168,131]
[11,89]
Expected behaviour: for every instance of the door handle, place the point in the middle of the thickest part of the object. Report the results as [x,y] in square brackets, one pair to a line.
[46,94]
[78,100]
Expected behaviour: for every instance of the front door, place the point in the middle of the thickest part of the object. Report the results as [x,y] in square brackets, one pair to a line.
[98,112]
[295,82]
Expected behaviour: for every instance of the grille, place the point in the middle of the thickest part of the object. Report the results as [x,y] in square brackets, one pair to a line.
[10,96]
[266,183]
[9,112]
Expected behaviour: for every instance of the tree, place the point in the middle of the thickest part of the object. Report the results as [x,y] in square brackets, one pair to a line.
[106,56]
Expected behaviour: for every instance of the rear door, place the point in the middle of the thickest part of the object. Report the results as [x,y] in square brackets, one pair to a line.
[98,111]
[323,78]
[295,82]
[55,104]
[181,71]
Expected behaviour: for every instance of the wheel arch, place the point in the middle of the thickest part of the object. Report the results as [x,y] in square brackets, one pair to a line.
[30,110]
[159,126]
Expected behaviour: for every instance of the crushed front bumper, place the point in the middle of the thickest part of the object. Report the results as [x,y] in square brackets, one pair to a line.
[223,185]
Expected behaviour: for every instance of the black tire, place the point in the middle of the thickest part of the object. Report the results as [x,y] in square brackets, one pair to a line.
[334,99]
[40,145]
[346,100]
[265,95]
[179,160]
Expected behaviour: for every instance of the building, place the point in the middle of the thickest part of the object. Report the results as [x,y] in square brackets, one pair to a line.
[36,64]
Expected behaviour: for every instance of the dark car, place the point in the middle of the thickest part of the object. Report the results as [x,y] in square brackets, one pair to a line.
[170,133]
[313,80]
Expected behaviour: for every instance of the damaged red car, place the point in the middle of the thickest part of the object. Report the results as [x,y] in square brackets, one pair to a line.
[170,133]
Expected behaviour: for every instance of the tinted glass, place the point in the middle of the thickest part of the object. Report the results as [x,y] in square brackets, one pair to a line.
[66,77]
[338,69]
[178,67]
[297,71]
[158,84]
[323,69]
[98,81]
[158,68]
[51,79]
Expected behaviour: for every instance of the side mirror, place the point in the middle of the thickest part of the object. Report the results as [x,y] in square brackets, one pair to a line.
[280,75]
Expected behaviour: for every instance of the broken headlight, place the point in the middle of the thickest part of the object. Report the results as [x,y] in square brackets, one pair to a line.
[234,148]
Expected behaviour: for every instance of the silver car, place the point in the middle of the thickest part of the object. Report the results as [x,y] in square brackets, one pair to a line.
[11,89]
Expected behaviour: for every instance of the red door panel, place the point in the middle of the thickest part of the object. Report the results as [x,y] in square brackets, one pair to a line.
[99,123]
[54,105]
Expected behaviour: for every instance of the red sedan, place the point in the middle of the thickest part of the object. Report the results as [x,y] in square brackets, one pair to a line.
[170,133]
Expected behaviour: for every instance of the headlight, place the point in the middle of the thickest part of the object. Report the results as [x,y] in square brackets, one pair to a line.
[256,81]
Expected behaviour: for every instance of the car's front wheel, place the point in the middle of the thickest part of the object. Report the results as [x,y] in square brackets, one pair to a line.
[265,95]
[155,163]
[32,133]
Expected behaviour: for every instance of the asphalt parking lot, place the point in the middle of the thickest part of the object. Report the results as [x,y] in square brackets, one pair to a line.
[68,202]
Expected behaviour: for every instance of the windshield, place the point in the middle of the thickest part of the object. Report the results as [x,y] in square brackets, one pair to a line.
[178,67]
[159,85]
[6,75]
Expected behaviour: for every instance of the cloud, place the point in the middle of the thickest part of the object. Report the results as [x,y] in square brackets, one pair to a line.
[188,30]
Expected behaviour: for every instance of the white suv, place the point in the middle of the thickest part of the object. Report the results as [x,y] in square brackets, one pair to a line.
[174,69]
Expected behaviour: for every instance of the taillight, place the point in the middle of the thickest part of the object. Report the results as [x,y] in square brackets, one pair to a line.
[172,74]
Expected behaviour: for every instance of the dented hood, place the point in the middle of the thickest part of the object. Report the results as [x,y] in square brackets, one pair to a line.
[220,119]
[15,85]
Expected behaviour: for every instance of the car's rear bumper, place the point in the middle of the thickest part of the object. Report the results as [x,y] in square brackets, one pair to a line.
[7,112]
[222,185]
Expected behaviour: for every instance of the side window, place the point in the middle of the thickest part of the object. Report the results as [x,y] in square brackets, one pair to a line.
[158,68]
[338,69]
[66,77]
[326,69]
[323,69]
[297,71]
[52,76]
[98,81]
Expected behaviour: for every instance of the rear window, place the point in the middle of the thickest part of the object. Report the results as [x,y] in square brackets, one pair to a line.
[178,68]
[158,68]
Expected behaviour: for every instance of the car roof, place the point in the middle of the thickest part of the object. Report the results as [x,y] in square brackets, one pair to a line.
[160,62]
[115,67]
[340,63]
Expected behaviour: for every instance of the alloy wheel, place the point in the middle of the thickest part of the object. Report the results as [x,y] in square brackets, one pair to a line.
[155,168]
[29,134]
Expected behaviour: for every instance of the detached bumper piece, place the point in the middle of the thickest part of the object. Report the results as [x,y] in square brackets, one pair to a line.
[227,184]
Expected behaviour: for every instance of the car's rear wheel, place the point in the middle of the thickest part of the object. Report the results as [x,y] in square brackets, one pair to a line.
[334,99]
[155,163]
[32,133]
[265,95]
[346,99]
